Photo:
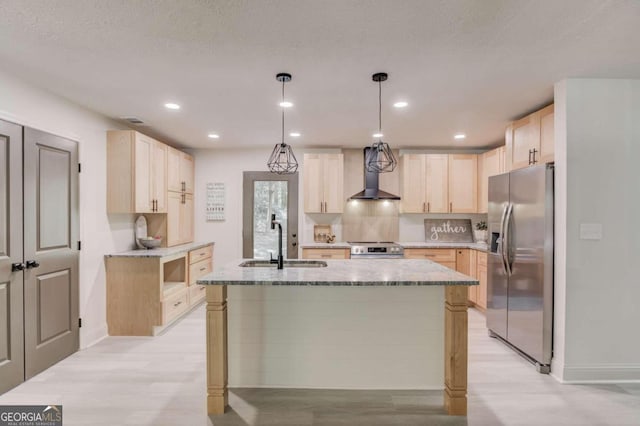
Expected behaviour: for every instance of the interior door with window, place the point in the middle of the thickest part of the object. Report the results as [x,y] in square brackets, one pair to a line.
[11,275]
[50,249]
[264,194]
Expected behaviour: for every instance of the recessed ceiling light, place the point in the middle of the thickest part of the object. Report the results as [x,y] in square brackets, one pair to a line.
[214,135]
[286,104]
[401,104]
[294,134]
[459,136]
[378,135]
[171,105]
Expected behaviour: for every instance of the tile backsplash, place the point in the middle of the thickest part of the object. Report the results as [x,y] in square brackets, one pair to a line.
[370,221]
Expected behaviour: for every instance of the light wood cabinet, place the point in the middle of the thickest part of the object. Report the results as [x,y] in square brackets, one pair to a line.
[200,263]
[326,253]
[180,171]
[323,183]
[413,183]
[179,221]
[146,294]
[463,183]
[438,174]
[490,163]
[481,276]
[445,257]
[136,173]
[466,263]
[439,183]
[530,140]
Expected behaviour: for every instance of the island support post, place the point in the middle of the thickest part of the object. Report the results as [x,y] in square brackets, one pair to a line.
[217,371]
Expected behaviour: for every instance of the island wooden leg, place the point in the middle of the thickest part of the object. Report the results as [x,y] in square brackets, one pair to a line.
[217,393]
[455,350]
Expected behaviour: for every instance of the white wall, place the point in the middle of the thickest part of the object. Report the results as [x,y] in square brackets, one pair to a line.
[316,337]
[29,106]
[597,290]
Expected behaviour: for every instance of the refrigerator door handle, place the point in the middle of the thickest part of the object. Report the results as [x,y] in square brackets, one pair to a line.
[502,239]
[505,240]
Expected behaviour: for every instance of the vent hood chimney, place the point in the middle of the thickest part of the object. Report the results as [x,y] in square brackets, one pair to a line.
[371,189]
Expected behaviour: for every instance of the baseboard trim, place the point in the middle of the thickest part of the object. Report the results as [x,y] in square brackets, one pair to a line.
[608,373]
[90,337]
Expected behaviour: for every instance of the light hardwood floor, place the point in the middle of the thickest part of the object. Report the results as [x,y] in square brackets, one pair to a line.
[160,381]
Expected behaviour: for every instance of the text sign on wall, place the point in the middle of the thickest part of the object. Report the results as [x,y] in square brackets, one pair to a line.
[215,201]
[448,230]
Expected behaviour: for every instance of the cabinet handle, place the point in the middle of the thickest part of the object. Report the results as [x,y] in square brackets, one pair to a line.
[32,264]
[202,254]
[17,267]
[184,186]
[325,207]
[176,304]
[428,207]
[321,207]
[325,255]
[451,207]
[202,269]
[424,207]
[534,156]
[529,156]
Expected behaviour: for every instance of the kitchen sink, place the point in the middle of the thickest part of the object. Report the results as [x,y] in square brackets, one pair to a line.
[287,264]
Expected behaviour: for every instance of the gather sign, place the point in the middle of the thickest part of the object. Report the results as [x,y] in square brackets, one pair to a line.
[448,230]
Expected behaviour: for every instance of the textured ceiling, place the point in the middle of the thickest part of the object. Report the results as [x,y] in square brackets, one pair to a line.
[468,66]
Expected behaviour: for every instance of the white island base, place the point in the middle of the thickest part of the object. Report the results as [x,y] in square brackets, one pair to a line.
[455,348]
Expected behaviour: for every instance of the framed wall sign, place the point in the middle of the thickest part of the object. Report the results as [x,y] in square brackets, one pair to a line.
[215,201]
[448,230]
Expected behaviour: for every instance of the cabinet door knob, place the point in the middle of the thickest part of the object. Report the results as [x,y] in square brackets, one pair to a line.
[19,266]
[32,264]
[294,244]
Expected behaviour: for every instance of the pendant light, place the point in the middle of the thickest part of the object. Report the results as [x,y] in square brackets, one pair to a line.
[282,160]
[380,158]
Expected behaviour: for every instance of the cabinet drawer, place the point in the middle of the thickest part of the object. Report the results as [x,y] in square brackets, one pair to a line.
[198,269]
[326,253]
[174,306]
[437,255]
[197,293]
[201,253]
[482,259]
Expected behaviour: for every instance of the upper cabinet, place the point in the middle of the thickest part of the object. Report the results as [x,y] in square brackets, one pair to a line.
[438,183]
[323,183]
[180,171]
[490,163]
[530,140]
[136,173]
[463,183]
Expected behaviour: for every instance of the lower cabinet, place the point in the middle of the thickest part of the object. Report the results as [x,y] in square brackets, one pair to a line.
[326,253]
[481,301]
[146,294]
[466,261]
[445,257]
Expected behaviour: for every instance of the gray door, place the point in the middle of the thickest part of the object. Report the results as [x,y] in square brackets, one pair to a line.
[11,282]
[265,193]
[497,279]
[50,249]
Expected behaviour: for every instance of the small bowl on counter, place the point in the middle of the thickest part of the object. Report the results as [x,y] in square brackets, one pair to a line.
[150,243]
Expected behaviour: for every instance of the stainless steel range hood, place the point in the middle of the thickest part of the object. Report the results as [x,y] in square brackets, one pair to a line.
[371,189]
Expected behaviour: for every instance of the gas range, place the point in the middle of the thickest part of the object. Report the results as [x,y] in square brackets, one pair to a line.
[376,250]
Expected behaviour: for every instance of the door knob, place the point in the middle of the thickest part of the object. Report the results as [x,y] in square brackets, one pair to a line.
[17,267]
[294,244]
[32,264]
[294,235]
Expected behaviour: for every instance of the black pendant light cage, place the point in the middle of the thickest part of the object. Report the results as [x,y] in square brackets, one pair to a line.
[282,159]
[380,158]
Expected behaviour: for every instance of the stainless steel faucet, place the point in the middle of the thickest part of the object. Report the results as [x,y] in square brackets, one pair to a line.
[280,259]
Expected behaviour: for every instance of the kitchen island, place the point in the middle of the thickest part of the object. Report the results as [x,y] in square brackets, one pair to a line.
[343,273]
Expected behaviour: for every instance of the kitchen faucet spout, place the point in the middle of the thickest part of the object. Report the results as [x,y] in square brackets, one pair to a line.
[280,259]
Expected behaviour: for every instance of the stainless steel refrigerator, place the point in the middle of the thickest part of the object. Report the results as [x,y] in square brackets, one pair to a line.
[520,262]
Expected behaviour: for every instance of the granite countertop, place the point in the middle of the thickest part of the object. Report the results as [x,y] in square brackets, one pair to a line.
[429,244]
[341,245]
[417,244]
[160,252]
[353,272]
